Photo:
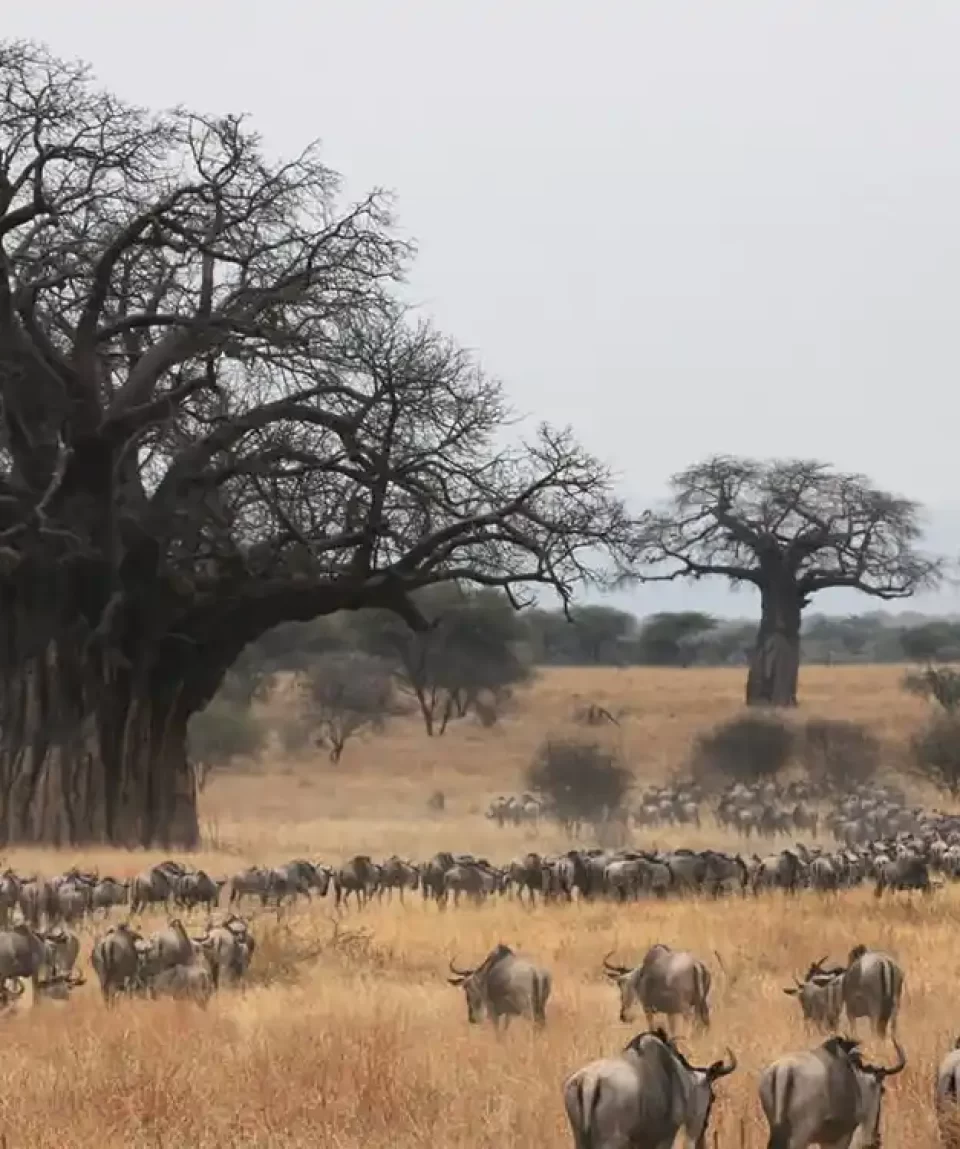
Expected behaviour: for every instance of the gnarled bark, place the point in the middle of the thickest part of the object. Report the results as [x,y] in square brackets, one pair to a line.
[775,661]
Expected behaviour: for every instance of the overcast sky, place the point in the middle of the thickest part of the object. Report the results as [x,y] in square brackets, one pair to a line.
[683,227]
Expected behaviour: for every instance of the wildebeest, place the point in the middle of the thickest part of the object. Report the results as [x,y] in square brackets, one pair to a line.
[672,982]
[824,1095]
[154,886]
[23,953]
[116,960]
[63,948]
[357,877]
[107,893]
[870,986]
[641,1099]
[196,889]
[396,874]
[165,948]
[192,982]
[229,948]
[947,1096]
[909,873]
[503,986]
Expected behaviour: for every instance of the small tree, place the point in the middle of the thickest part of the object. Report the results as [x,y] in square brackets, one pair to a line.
[581,781]
[345,693]
[838,752]
[222,731]
[672,639]
[750,748]
[936,752]
[939,684]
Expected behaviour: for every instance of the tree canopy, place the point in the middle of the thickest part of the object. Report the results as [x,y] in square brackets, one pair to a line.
[791,528]
[217,417]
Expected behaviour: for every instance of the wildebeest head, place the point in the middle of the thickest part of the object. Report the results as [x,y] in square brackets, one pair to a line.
[871,1080]
[472,981]
[625,981]
[701,1077]
[819,997]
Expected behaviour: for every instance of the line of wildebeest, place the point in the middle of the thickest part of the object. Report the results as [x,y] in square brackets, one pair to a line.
[644,1096]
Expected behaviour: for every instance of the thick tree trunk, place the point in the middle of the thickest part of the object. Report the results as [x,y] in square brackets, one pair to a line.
[775,661]
[90,754]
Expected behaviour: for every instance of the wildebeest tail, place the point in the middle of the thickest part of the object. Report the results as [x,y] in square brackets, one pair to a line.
[701,983]
[888,997]
[583,1121]
[780,1117]
[541,991]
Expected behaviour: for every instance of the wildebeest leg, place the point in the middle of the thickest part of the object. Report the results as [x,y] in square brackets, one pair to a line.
[649,1014]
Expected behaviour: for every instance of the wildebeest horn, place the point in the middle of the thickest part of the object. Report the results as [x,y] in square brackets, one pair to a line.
[619,970]
[459,972]
[722,1069]
[882,1071]
[16,986]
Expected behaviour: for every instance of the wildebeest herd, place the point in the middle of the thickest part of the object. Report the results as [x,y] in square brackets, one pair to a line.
[650,1091]
[644,1096]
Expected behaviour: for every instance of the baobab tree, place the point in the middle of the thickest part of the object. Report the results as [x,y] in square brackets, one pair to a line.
[214,418]
[790,529]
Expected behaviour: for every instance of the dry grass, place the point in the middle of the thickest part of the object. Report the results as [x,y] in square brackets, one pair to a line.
[357,1040]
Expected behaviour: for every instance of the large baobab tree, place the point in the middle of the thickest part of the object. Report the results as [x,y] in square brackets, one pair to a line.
[791,529]
[213,419]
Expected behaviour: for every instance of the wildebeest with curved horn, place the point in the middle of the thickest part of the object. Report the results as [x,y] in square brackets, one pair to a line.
[824,1095]
[667,981]
[870,985]
[641,1099]
[503,986]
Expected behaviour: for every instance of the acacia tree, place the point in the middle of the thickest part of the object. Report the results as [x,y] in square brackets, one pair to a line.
[791,529]
[214,420]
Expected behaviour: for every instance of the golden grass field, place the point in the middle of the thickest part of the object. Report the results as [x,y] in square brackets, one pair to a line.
[357,1041]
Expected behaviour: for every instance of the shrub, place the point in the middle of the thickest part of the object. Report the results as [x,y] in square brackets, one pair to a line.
[940,684]
[345,692]
[936,752]
[745,749]
[838,752]
[222,731]
[581,781]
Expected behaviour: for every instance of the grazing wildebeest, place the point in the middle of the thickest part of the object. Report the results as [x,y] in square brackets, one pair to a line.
[947,1097]
[166,947]
[154,886]
[358,877]
[229,948]
[824,1095]
[116,960]
[909,873]
[396,874]
[63,949]
[196,889]
[9,895]
[672,982]
[23,953]
[871,986]
[191,982]
[641,1099]
[107,893]
[503,986]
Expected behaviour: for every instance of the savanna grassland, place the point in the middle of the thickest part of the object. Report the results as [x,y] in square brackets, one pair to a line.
[348,1035]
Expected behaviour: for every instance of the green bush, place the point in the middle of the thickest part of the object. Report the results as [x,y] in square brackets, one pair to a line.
[581,781]
[745,749]
[838,752]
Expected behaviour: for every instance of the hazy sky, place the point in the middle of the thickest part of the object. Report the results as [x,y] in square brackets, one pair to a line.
[683,227]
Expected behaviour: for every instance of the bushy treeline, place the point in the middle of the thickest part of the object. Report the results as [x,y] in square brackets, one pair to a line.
[482,625]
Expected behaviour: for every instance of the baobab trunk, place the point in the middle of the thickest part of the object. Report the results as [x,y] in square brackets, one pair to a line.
[775,661]
[92,753]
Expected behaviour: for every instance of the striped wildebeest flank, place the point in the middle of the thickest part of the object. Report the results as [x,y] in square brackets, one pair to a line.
[820,996]
[870,986]
[155,886]
[672,982]
[229,948]
[24,953]
[196,888]
[505,985]
[947,1097]
[642,1098]
[63,949]
[824,1096]
[398,874]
